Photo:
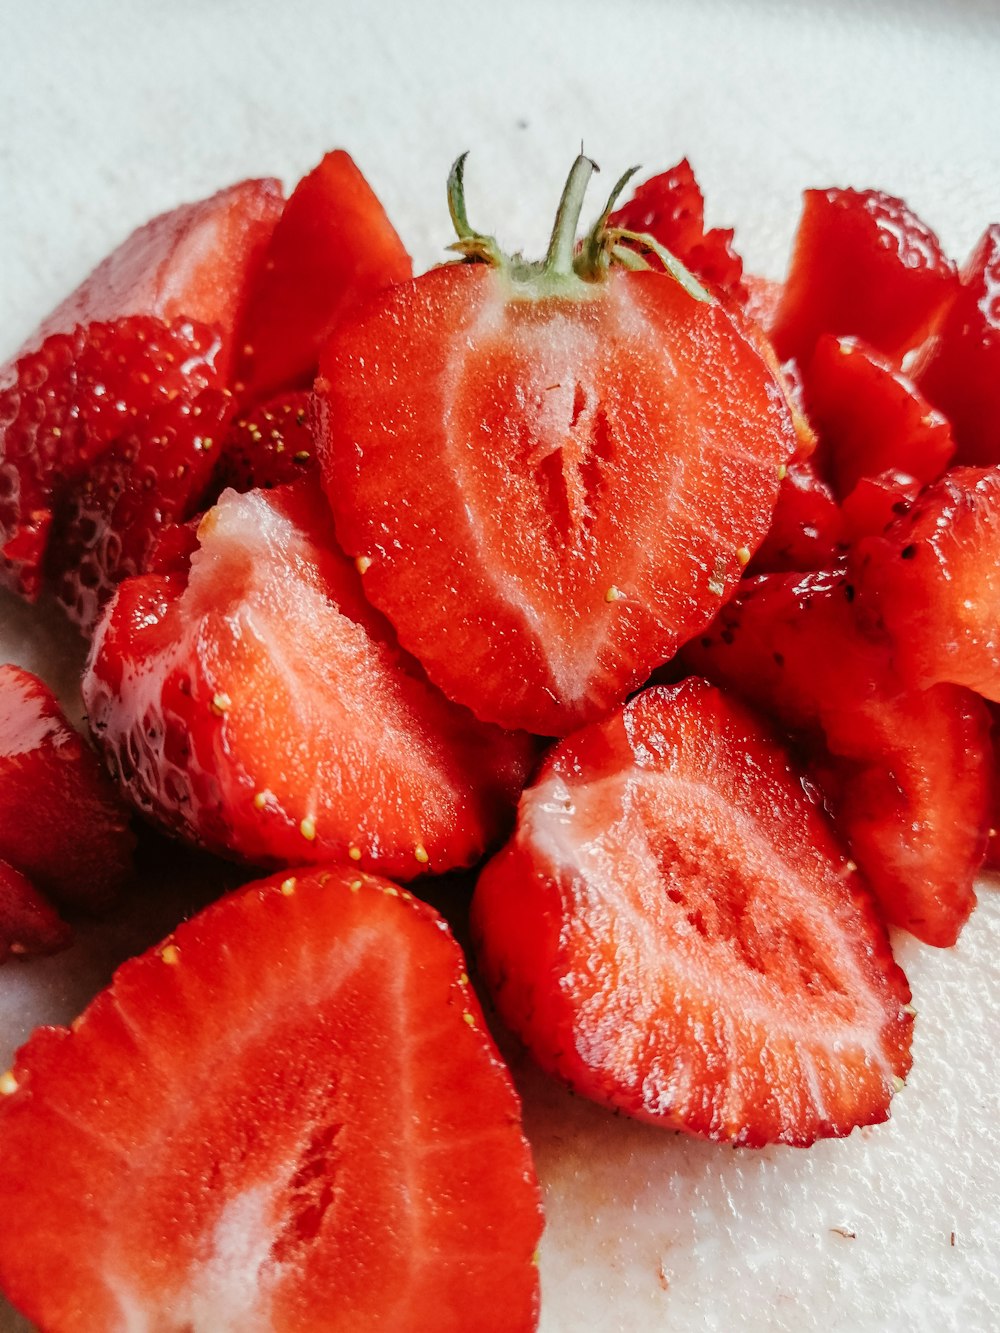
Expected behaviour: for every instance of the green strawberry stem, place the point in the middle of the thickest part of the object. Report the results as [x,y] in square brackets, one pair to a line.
[559,260]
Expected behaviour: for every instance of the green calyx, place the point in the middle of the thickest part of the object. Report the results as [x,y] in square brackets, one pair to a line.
[568,263]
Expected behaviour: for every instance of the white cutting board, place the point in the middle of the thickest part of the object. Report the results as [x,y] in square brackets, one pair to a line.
[111,111]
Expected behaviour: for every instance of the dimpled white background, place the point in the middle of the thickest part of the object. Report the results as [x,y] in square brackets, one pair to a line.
[111,111]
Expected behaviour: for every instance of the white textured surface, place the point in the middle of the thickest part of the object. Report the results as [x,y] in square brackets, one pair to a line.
[113,110]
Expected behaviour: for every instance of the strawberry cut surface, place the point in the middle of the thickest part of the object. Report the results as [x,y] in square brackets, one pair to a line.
[195,262]
[863,263]
[333,245]
[261,708]
[674,931]
[557,482]
[61,822]
[904,771]
[807,527]
[287,1116]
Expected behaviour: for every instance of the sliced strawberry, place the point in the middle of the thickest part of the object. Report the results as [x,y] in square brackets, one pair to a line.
[670,207]
[875,502]
[333,244]
[871,418]
[268,445]
[195,263]
[807,529]
[674,931]
[134,385]
[863,263]
[261,708]
[905,772]
[933,580]
[569,483]
[960,371]
[288,1116]
[29,925]
[61,823]
[763,299]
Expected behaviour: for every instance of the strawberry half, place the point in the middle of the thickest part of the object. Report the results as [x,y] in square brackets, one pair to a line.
[288,1116]
[262,709]
[333,245]
[194,263]
[674,931]
[905,772]
[29,925]
[555,473]
[933,580]
[61,823]
[863,263]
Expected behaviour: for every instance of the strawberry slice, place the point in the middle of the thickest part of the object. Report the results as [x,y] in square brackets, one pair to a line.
[195,263]
[670,207]
[905,772]
[877,501]
[262,709]
[933,580]
[288,1116]
[871,418]
[564,466]
[29,925]
[863,263]
[333,244]
[268,445]
[61,823]
[960,370]
[807,528]
[674,931]
[135,385]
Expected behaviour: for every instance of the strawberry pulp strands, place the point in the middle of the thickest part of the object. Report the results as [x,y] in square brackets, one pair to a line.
[259,707]
[289,1115]
[569,466]
[675,932]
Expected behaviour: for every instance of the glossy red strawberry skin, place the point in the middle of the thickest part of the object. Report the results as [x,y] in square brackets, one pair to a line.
[194,263]
[871,418]
[904,771]
[674,931]
[261,709]
[670,207]
[268,445]
[960,369]
[555,482]
[332,246]
[864,264]
[132,385]
[29,924]
[807,527]
[933,580]
[343,1150]
[61,823]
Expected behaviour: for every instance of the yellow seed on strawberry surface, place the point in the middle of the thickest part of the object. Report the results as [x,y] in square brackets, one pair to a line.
[170,954]
[743,556]
[308,828]
[8,1083]
[354,853]
[420,853]
[221,703]
[288,886]
[363,564]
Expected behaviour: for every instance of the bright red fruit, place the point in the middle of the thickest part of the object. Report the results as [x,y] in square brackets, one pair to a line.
[807,528]
[131,391]
[61,823]
[863,263]
[268,445]
[933,580]
[674,931]
[960,371]
[288,1116]
[261,708]
[904,772]
[556,471]
[333,245]
[670,207]
[29,926]
[193,263]
[871,418]
[875,502]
